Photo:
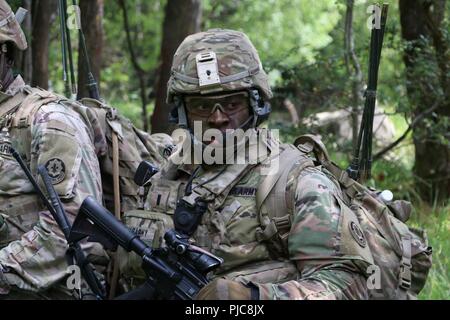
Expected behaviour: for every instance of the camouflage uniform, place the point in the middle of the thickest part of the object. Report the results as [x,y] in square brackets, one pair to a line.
[44,130]
[309,254]
[322,260]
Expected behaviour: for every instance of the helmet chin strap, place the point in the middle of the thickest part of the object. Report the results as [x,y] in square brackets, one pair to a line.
[253,119]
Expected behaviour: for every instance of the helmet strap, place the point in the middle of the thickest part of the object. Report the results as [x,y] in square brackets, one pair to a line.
[261,109]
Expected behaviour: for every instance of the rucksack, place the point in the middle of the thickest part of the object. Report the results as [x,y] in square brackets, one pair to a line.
[129,146]
[402,257]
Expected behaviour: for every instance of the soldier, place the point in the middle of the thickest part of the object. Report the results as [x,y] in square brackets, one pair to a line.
[45,129]
[281,232]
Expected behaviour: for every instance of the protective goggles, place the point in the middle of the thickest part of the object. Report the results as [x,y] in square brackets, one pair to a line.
[205,106]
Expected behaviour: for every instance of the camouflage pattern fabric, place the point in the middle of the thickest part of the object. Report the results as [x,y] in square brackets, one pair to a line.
[324,261]
[239,66]
[9,27]
[135,146]
[332,263]
[32,254]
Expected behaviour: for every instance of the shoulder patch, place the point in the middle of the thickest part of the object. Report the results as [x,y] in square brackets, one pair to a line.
[56,170]
[357,234]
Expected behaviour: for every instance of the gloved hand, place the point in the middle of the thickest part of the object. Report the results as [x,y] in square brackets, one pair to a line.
[223,289]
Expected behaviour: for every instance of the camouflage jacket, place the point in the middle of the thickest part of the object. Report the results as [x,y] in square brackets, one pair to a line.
[44,131]
[323,260]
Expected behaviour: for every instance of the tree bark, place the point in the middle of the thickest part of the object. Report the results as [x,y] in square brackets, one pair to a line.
[23,59]
[91,23]
[432,152]
[42,12]
[182,18]
[354,72]
[140,72]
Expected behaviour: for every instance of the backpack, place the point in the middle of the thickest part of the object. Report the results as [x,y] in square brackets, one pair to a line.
[402,257]
[126,147]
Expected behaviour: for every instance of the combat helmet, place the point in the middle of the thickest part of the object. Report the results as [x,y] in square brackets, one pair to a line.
[10,30]
[218,60]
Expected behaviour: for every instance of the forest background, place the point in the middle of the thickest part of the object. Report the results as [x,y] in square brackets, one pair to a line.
[316,54]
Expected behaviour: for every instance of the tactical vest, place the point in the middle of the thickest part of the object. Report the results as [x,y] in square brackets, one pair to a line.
[237,227]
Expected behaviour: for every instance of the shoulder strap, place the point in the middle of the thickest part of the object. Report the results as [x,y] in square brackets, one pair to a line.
[33,100]
[31,104]
[272,193]
[12,103]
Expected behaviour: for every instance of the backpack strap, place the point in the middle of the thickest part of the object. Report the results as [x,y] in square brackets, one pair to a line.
[12,103]
[405,268]
[272,193]
[310,143]
[34,99]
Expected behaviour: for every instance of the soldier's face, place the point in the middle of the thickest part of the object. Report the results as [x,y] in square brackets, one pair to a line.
[223,112]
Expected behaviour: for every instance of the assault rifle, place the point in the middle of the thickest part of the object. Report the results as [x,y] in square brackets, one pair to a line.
[176,272]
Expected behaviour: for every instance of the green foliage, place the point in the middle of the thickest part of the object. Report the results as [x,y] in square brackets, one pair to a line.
[437,224]
[293,30]
[120,85]
[301,44]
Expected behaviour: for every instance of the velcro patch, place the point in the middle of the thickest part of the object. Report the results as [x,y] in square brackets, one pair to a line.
[56,170]
[243,191]
[357,234]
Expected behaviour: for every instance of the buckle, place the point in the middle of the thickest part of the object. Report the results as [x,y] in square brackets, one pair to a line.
[282,222]
[405,276]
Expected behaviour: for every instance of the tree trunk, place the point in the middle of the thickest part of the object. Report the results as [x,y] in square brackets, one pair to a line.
[424,89]
[91,23]
[23,59]
[182,18]
[42,13]
[140,72]
[354,72]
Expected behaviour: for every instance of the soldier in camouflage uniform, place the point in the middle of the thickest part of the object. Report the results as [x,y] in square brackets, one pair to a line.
[304,247]
[44,130]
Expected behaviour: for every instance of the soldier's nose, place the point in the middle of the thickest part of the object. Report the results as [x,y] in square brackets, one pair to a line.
[218,119]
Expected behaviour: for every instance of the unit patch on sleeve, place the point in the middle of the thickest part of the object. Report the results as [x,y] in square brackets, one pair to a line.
[56,170]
